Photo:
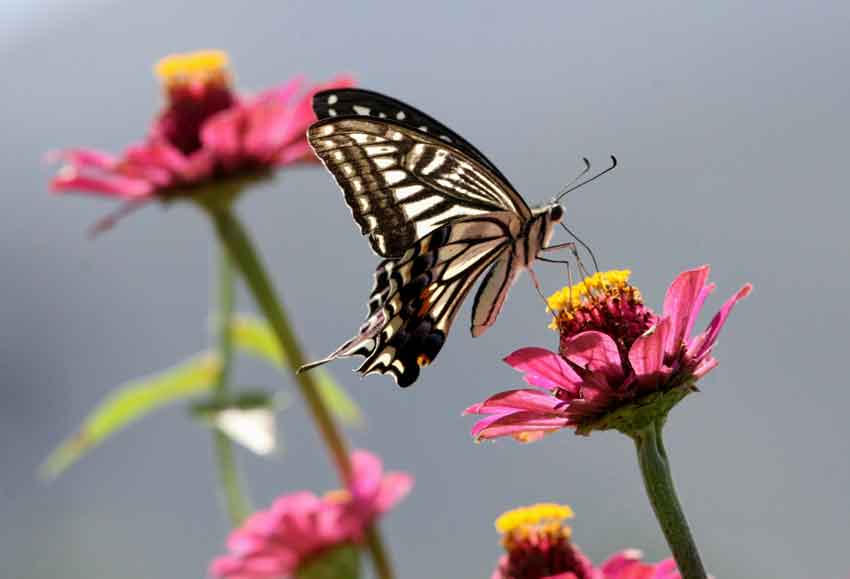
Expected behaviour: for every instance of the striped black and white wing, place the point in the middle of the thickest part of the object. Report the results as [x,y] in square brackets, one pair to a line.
[401,184]
[357,102]
[417,296]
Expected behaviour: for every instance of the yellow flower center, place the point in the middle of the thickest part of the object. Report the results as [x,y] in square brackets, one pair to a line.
[593,290]
[202,66]
[196,87]
[520,524]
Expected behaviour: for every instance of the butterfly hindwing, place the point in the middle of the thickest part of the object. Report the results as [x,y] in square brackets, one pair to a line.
[416,297]
[493,292]
[401,184]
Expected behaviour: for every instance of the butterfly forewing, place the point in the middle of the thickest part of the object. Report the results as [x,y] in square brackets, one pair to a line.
[401,184]
[357,102]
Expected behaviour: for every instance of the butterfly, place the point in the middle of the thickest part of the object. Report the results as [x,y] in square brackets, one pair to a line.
[439,213]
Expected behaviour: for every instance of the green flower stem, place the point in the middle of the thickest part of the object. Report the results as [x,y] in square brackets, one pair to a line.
[242,251]
[655,469]
[238,507]
[380,559]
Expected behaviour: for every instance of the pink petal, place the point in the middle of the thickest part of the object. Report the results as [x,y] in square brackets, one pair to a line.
[303,501]
[544,369]
[719,319]
[109,185]
[522,399]
[595,351]
[110,219]
[666,569]
[222,134]
[367,471]
[628,565]
[148,162]
[704,367]
[647,353]
[266,130]
[297,151]
[516,423]
[682,304]
[394,487]
[302,113]
[620,561]
[199,166]
[281,94]
[84,158]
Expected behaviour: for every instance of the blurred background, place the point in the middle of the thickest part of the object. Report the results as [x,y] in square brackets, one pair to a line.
[731,124]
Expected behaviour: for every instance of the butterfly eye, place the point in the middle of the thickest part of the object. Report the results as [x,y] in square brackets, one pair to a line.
[556,213]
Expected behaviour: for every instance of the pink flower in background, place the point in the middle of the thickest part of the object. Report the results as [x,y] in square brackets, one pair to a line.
[301,527]
[205,134]
[372,492]
[614,355]
[538,545]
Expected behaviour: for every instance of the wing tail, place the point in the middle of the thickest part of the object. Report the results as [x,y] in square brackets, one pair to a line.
[357,346]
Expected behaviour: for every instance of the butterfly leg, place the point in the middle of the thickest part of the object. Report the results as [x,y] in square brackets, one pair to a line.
[571,245]
[583,271]
[539,289]
[537,286]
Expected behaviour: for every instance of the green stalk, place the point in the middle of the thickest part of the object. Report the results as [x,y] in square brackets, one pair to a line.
[655,469]
[242,252]
[237,505]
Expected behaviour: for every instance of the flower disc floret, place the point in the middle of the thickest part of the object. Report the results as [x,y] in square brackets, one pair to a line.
[604,302]
[537,544]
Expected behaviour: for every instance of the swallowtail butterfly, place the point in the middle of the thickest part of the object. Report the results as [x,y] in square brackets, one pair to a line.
[438,212]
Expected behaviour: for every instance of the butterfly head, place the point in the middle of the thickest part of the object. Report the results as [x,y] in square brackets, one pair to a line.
[552,212]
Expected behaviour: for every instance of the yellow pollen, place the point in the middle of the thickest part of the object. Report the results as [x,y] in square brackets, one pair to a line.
[614,283]
[423,360]
[201,65]
[543,516]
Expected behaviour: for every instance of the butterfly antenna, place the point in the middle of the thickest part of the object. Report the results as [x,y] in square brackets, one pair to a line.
[571,188]
[572,182]
[583,244]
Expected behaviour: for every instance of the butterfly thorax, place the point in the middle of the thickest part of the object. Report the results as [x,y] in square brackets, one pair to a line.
[537,232]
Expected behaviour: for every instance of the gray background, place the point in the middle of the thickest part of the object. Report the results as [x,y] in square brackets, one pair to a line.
[730,121]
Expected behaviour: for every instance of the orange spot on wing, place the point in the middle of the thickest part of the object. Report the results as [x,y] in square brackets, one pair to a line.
[426,305]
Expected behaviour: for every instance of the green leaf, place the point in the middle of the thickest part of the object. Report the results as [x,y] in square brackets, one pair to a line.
[253,336]
[340,563]
[130,402]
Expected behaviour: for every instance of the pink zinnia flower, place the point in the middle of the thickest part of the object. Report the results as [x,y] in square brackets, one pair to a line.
[300,528]
[620,365]
[205,135]
[538,545]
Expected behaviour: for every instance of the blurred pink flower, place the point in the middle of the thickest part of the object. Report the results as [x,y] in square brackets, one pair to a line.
[628,565]
[538,545]
[301,527]
[205,134]
[617,359]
